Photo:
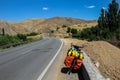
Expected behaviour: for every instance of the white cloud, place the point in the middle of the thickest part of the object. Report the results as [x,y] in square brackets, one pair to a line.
[45,8]
[90,6]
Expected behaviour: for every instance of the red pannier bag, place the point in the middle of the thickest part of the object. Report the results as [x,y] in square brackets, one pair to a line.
[68,62]
[78,64]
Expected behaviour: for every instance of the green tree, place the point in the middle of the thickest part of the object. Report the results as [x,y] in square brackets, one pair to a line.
[101,20]
[85,33]
[118,30]
[74,31]
[22,37]
[108,21]
[118,17]
[112,16]
[68,29]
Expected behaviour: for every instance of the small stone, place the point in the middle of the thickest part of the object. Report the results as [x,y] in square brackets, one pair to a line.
[97,64]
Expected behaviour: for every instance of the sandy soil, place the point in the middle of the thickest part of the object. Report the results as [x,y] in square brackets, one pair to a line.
[107,55]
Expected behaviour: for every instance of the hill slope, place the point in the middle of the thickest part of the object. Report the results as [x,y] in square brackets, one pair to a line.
[44,26]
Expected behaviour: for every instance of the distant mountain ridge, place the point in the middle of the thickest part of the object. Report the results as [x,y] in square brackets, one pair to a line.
[43,25]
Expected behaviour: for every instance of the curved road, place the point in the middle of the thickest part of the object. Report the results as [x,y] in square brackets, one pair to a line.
[27,62]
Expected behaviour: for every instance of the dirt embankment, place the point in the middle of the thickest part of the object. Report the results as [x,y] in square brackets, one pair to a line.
[107,55]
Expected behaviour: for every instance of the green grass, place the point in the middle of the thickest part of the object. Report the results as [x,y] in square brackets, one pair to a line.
[8,41]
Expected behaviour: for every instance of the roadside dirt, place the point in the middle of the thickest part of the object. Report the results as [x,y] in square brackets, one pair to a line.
[107,55]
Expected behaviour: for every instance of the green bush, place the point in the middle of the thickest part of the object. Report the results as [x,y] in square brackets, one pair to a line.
[64,26]
[68,29]
[52,31]
[32,34]
[74,31]
[6,39]
[14,40]
[66,37]
[22,37]
[57,28]
[76,35]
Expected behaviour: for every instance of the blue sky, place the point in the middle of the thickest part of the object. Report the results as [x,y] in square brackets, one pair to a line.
[18,10]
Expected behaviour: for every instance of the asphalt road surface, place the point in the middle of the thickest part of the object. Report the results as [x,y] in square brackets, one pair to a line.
[27,62]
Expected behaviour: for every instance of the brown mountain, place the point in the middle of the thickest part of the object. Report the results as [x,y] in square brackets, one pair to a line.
[44,26]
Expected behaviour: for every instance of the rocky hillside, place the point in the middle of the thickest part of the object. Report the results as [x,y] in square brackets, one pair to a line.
[44,26]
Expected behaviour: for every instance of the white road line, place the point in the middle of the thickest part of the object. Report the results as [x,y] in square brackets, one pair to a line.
[47,67]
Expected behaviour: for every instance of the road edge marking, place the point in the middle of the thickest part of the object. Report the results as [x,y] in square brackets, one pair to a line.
[50,63]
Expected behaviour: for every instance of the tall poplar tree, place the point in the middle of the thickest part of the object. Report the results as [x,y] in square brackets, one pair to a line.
[112,15]
[101,20]
[118,29]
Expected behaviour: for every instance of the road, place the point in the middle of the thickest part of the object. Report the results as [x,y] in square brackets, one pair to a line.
[27,62]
